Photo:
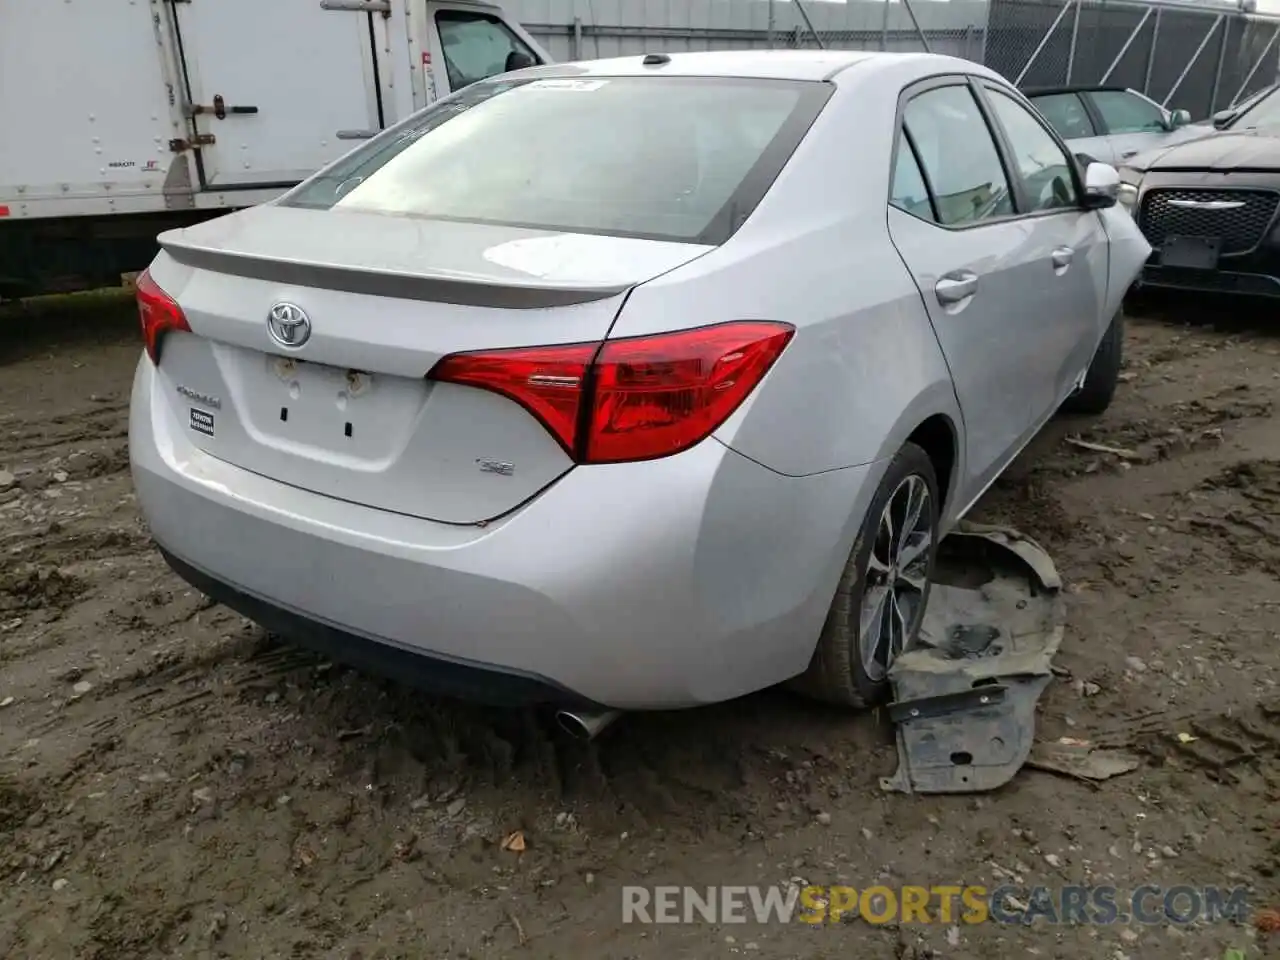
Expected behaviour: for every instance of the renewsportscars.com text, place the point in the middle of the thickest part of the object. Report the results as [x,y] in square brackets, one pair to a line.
[946,904]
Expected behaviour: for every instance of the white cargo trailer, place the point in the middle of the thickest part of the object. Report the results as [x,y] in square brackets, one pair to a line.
[120,118]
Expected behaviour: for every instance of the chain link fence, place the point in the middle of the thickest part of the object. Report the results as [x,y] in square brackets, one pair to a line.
[1200,57]
[578,41]
[1197,59]
[610,28]
[962,42]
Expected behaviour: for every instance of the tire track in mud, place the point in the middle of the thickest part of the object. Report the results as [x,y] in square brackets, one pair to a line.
[1164,433]
[1237,749]
[406,747]
[1185,436]
[56,547]
[100,422]
[1240,509]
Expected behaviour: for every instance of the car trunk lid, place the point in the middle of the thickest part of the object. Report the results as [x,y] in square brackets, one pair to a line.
[347,410]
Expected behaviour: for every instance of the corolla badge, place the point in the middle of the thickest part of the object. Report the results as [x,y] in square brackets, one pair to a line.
[289,325]
[208,399]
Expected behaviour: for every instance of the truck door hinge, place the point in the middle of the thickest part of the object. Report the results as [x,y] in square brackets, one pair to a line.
[199,140]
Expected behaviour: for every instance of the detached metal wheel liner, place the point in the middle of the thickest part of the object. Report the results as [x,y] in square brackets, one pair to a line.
[965,697]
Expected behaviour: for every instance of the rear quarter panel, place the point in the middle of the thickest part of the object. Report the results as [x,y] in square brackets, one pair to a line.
[1128,250]
[864,369]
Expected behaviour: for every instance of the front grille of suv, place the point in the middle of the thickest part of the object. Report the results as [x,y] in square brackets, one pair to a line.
[1240,228]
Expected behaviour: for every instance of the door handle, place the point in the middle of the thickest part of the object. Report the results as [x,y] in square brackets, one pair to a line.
[356,134]
[955,287]
[1062,258]
[219,109]
[358,6]
[1128,153]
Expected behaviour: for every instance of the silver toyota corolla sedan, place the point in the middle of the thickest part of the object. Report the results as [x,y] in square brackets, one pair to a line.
[639,383]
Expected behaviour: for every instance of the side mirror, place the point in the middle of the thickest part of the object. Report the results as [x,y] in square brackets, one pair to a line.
[1101,186]
[518,61]
[1222,119]
[1179,118]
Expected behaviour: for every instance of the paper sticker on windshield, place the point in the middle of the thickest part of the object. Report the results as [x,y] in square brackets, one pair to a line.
[566,83]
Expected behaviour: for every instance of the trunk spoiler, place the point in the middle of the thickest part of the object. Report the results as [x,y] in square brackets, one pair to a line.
[427,286]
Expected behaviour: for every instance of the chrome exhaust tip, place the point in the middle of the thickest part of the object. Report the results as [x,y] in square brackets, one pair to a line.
[583,724]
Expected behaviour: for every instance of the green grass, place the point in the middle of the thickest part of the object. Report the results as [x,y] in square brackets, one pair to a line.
[43,324]
[86,302]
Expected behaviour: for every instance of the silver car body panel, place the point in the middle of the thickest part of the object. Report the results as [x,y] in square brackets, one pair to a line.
[1005,341]
[669,582]
[691,593]
[352,414]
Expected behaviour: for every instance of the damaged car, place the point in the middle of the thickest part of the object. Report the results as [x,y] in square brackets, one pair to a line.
[632,384]
[1209,207]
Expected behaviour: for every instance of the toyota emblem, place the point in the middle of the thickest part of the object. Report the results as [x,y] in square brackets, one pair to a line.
[289,325]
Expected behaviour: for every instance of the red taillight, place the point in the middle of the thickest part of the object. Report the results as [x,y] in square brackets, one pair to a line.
[629,399]
[654,396]
[158,312]
[546,381]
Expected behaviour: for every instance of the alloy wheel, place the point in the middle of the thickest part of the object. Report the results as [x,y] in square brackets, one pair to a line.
[896,578]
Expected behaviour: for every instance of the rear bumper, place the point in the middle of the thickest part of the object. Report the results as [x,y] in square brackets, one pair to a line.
[483,683]
[670,583]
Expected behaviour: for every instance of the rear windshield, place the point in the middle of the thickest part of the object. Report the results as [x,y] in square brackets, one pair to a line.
[669,158]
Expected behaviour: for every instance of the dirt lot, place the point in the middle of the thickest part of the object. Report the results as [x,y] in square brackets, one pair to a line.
[174,783]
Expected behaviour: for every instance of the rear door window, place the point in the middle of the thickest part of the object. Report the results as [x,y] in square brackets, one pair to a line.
[958,155]
[1067,114]
[672,158]
[910,193]
[1043,167]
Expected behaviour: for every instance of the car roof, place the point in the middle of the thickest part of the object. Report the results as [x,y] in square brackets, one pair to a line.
[811,65]
[1075,88]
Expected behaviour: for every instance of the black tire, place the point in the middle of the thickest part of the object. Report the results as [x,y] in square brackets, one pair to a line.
[1100,382]
[836,673]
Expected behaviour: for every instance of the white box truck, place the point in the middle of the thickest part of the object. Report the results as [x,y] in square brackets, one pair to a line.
[123,118]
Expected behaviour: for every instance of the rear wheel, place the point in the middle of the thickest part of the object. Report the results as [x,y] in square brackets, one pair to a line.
[879,604]
[1094,396]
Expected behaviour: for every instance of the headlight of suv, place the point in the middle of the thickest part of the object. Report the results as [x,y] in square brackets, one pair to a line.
[1127,197]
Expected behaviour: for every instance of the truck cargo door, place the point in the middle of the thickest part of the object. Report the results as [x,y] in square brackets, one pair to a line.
[281,87]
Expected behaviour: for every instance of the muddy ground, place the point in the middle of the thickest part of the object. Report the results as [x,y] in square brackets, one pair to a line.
[175,783]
